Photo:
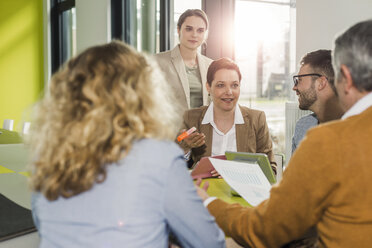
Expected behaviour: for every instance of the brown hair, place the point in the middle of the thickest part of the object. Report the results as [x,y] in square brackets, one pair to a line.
[193,12]
[98,104]
[321,62]
[222,63]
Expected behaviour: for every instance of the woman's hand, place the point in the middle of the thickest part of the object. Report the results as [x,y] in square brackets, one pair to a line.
[202,191]
[194,140]
[214,173]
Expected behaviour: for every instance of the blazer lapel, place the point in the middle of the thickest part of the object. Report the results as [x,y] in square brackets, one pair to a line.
[207,129]
[179,65]
[203,74]
[242,133]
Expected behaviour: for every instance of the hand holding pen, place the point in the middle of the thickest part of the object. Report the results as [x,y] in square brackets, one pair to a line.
[191,138]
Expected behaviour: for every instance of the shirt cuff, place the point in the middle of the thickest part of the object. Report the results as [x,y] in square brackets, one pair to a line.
[187,156]
[209,200]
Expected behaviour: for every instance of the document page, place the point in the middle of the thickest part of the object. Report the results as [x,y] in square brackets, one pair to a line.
[245,178]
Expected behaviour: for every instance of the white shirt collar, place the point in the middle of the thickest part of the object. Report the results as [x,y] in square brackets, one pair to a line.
[209,117]
[361,105]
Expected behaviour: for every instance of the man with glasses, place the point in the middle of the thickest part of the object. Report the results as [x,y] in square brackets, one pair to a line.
[327,183]
[314,88]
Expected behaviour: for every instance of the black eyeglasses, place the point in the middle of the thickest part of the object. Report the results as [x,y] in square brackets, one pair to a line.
[296,77]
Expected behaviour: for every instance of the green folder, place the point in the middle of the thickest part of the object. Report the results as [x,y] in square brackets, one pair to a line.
[260,158]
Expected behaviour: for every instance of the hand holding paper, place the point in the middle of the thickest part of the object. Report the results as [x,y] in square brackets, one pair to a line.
[215,174]
[246,178]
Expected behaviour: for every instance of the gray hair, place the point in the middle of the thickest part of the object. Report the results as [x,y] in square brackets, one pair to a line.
[353,48]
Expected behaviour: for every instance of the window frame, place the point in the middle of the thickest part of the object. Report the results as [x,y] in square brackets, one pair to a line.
[123,19]
[59,30]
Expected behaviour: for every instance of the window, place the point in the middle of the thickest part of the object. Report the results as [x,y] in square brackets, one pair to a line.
[181,6]
[148,25]
[264,50]
[63,32]
[137,22]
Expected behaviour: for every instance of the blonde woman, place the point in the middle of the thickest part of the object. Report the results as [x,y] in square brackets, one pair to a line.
[184,67]
[106,172]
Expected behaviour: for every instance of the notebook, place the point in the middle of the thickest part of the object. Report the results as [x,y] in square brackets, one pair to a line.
[260,158]
[204,167]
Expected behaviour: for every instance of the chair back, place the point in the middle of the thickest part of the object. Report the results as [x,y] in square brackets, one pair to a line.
[8,124]
[26,127]
[279,159]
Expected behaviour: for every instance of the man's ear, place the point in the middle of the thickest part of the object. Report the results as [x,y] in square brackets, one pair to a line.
[322,83]
[347,77]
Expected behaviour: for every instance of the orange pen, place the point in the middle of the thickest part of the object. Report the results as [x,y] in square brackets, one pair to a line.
[185,134]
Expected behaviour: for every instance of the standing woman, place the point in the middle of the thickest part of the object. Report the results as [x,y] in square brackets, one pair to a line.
[184,67]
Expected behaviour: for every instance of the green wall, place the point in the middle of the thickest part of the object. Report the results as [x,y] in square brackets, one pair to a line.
[21,58]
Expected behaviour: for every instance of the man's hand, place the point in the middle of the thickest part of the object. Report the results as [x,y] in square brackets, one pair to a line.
[202,192]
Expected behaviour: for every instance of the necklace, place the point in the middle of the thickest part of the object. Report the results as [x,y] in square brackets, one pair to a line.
[191,63]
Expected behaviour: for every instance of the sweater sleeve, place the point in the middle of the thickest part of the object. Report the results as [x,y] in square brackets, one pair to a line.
[295,205]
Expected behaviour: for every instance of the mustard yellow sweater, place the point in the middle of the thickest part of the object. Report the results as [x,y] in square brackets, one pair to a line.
[328,184]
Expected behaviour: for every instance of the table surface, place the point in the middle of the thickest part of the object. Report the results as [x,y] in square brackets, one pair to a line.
[30,240]
[13,174]
[14,185]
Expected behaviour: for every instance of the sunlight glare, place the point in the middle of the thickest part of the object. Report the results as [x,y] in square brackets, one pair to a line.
[256,24]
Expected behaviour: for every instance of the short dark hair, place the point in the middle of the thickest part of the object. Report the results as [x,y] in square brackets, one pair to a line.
[222,63]
[353,48]
[193,12]
[321,62]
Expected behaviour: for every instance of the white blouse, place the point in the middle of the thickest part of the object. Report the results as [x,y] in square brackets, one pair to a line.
[223,142]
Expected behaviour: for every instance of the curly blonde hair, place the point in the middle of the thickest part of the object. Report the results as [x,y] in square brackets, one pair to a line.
[98,104]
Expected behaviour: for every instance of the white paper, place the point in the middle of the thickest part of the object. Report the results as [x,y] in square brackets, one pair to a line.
[245,178]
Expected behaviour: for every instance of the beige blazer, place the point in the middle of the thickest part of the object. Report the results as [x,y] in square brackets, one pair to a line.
[252,136]
[174,70]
